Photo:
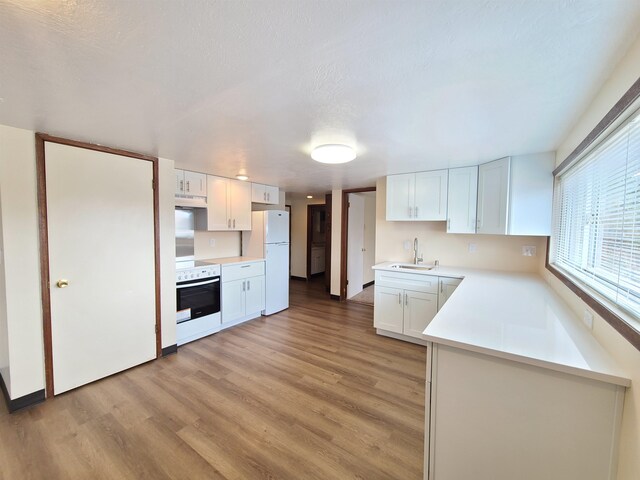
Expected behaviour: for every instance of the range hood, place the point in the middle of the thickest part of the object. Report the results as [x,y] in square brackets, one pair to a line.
[190,201]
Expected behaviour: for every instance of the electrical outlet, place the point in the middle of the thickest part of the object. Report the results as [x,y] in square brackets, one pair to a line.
[473,247]
[212,242]
[528,251]
[407,244]
[587,318]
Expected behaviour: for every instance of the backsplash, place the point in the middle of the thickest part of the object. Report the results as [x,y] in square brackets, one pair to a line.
[493,252]
[216,244]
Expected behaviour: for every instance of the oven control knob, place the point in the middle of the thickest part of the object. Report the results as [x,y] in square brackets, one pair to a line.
[179,277]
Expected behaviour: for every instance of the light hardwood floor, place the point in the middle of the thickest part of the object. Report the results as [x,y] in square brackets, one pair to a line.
[310,393]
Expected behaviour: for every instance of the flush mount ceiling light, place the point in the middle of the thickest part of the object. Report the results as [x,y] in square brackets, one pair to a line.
[244,178]
[309,196]
[333,153]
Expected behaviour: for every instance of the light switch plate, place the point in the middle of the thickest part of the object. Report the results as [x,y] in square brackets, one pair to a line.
[473,247]
[587,318]
[407,244]
[212,242]
[528,251]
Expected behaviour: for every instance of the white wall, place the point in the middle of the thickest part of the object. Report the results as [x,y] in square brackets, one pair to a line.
[4,327]
[166,179]
[299,205]
[336,233]
[495,252]
[22,299]
[21,260]
[625,74]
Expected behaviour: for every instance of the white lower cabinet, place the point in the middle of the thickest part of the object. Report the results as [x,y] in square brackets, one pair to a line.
[242,295]
[491,418]
[405,303]
[446,286]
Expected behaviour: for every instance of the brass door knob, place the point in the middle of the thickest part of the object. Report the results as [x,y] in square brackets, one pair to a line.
[62,283]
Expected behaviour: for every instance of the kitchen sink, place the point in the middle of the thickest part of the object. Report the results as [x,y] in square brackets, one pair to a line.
[409,266]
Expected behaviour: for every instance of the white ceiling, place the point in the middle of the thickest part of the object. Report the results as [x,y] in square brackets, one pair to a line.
[221,86]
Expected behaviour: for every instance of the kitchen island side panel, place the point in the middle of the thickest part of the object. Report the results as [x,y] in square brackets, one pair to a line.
[496,419]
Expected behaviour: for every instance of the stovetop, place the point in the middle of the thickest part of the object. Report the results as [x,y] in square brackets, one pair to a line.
[192,264]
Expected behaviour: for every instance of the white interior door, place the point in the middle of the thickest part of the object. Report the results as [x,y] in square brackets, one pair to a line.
[355,245]
[101,240]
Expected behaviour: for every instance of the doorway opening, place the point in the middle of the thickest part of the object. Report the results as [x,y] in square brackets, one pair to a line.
[358,245]
[317,244]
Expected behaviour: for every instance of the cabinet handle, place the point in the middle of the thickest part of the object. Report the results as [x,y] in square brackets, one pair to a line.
[448,224]
[399,298]
[234,223]
[406,299]
[248,284]
[409,212]
[269,197]
[264,196]
[201,187]
[244,284]
[229,223]
[188,189]
[441,286]
[416,212]
[181,185]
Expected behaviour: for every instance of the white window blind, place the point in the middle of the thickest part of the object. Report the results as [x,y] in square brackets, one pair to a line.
[596,236]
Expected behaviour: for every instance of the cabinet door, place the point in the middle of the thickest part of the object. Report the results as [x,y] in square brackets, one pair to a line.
[430,195]
[419,310]
[493,196]
[179,181]
[400,196]
[217,199]
[446,286]
[273,194]
[195,184]
[258,193]
[388,309]
[254,295]
[462,200]
[232,306]
[240,205]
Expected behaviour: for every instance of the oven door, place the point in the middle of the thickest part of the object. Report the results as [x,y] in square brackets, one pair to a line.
[197,298]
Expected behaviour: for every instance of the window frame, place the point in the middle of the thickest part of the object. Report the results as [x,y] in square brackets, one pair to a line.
[616,317]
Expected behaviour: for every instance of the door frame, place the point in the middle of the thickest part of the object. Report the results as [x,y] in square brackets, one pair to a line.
[344,236]
[43,229]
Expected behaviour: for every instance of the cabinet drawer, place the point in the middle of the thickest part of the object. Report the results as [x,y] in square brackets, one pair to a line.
[409,281]
[242,270]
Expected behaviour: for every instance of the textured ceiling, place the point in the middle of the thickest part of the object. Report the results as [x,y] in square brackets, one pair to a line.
[222,86]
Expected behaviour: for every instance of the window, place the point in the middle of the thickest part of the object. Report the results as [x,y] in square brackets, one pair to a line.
[596,236]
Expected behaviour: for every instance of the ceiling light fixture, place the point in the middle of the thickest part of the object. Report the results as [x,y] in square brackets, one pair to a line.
[333,153]
[244,178]
[309,196]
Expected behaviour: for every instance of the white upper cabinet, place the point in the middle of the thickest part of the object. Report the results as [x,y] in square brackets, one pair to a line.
[228,205]
[417,196]
[191,183]
[265,194]
[400,196]
[431,195]
[515,195]
[462,200]
[240,205]
[493,196]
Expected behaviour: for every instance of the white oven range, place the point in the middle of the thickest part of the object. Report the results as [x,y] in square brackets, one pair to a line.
[198,301]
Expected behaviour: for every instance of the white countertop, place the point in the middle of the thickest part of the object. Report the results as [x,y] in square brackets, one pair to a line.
[232,260]
[517,316]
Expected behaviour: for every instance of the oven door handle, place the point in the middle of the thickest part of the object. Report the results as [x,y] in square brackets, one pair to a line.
[197,284]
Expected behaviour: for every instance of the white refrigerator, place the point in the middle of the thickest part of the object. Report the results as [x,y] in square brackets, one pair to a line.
[269,239]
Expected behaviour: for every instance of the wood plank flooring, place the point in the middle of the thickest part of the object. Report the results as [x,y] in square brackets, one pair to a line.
[309,393]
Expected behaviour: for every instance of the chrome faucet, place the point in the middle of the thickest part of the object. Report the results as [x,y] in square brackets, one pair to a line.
[416,259]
